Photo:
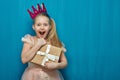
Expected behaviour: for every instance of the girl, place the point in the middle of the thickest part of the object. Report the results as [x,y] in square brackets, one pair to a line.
[44,28]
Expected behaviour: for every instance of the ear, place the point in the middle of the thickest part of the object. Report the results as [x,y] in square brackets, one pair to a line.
[33,26]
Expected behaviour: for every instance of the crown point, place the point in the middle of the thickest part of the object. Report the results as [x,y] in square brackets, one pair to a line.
[39,8]
[31,14]
[43,6]
[37,11]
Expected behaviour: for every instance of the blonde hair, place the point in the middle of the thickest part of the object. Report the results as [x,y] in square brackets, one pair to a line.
[52,35]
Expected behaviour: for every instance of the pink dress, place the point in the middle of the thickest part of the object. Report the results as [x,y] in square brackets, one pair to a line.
[36,72]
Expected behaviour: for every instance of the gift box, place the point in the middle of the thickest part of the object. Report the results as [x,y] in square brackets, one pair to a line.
[47,53]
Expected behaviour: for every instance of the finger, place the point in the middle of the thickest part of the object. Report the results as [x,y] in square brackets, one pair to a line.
[31,38]
[45,66]
[46,63]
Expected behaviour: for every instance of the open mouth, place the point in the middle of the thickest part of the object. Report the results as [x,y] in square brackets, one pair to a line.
[42,32]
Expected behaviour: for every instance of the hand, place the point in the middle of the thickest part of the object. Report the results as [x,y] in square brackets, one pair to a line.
[40,42]
[51,65]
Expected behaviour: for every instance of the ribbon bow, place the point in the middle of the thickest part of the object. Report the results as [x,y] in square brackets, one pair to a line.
[47,55]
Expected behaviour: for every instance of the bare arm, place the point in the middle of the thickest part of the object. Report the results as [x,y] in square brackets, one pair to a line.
[29,51]
[63,61]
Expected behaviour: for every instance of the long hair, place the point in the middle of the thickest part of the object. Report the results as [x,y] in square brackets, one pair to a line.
[52,36]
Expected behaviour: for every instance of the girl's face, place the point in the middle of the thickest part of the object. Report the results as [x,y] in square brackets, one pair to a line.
[41,26]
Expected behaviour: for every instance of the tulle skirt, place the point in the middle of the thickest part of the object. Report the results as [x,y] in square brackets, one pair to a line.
[38,73]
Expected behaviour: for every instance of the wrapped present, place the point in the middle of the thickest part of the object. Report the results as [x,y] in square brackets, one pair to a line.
[47,53]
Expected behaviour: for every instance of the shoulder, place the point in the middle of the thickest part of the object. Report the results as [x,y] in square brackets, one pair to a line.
[63,48]
[28,39]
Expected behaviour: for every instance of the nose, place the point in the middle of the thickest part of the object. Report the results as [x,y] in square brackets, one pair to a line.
[42,27]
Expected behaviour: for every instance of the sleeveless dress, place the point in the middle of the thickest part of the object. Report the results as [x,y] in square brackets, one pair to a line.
[37,72]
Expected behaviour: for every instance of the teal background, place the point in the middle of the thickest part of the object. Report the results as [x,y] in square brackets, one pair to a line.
[90,30]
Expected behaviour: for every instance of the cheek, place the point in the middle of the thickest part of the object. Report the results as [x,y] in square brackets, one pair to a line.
[48,29]
[37,28]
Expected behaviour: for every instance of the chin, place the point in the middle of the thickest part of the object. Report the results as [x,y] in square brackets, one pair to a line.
[42,36]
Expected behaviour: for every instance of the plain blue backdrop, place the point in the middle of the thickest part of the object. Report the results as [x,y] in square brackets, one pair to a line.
[90,30]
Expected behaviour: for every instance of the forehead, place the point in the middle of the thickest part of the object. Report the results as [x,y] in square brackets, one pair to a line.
[41,19]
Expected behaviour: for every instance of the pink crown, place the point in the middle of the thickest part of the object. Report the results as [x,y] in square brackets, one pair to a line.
[37,11]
